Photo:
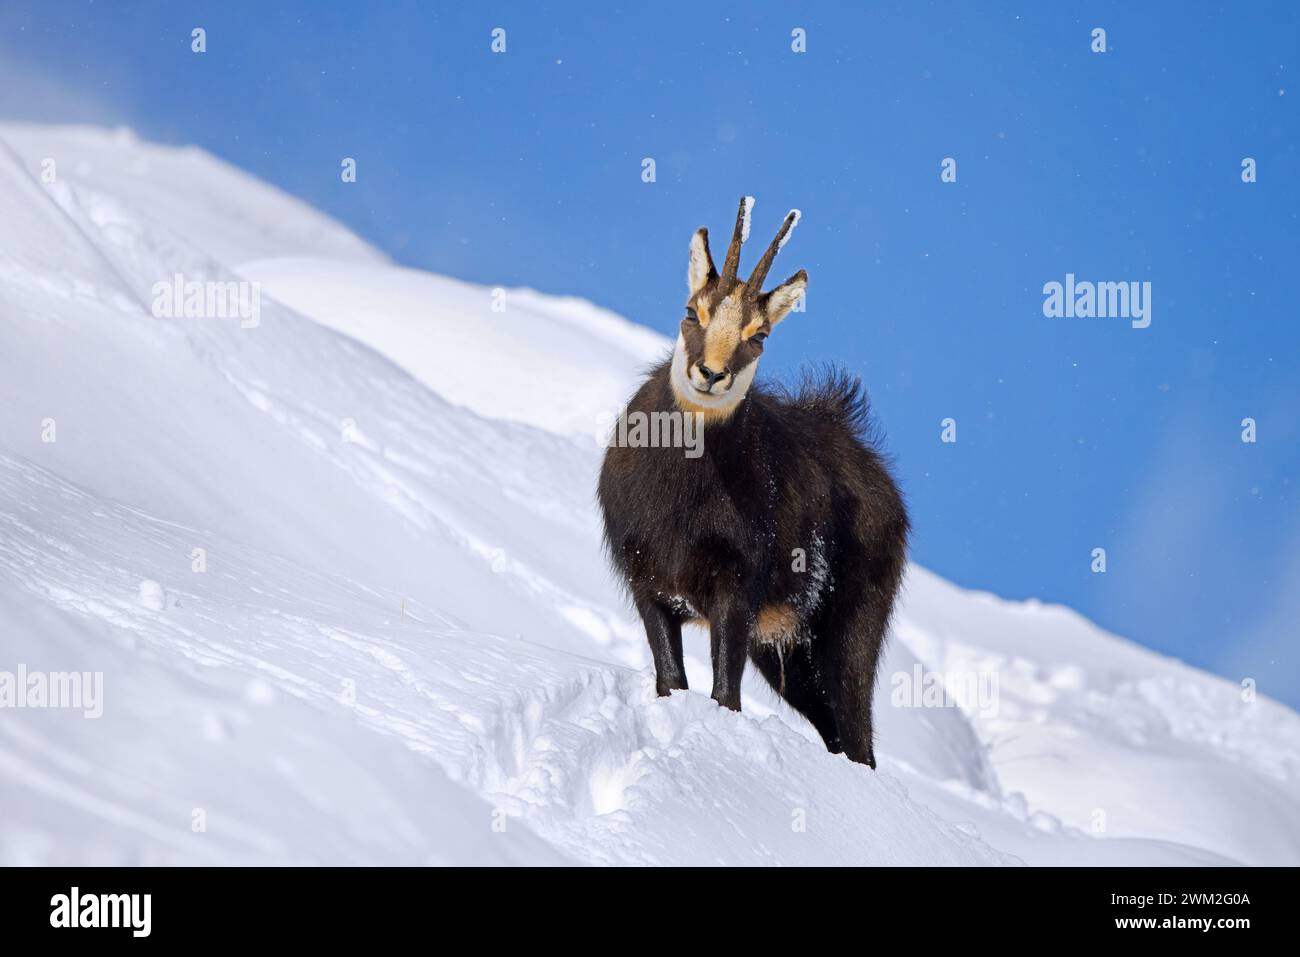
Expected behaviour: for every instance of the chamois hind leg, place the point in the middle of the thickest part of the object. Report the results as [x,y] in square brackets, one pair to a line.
[848,652]
[789,670]
[663,630]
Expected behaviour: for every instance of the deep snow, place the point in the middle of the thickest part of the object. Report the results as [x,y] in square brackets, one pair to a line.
[405,645]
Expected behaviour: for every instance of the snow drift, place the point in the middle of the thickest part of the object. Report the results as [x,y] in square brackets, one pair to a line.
[348,602]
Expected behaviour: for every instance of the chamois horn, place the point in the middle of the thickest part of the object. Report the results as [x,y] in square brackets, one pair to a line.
[754,286]
[738,236]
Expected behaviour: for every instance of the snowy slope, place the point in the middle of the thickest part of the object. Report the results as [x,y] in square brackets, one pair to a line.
[506,353]
[214,207]
[405,645]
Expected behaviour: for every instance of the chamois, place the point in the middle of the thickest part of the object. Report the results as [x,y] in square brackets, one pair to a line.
[787,536]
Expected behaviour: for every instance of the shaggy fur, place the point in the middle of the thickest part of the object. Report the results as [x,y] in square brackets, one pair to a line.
[721,538]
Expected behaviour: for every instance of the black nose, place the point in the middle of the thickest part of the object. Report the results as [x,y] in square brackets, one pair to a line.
[710,374]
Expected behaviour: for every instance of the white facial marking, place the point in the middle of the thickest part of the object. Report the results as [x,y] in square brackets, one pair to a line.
[682,384]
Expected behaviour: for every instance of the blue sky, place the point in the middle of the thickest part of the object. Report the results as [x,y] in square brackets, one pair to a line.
[524,168]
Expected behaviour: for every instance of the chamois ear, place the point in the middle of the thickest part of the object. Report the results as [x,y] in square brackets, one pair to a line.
[700,270]
[778,303]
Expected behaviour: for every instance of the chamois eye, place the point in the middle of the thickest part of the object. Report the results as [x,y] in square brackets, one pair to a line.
[758,337]
[692,315]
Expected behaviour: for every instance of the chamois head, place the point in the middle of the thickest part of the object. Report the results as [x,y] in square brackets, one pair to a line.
[727,320]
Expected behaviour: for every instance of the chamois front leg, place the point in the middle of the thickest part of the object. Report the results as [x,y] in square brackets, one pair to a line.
[664,633]
[729,647]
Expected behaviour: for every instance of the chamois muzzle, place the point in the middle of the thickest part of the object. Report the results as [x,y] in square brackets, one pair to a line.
[710,377]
